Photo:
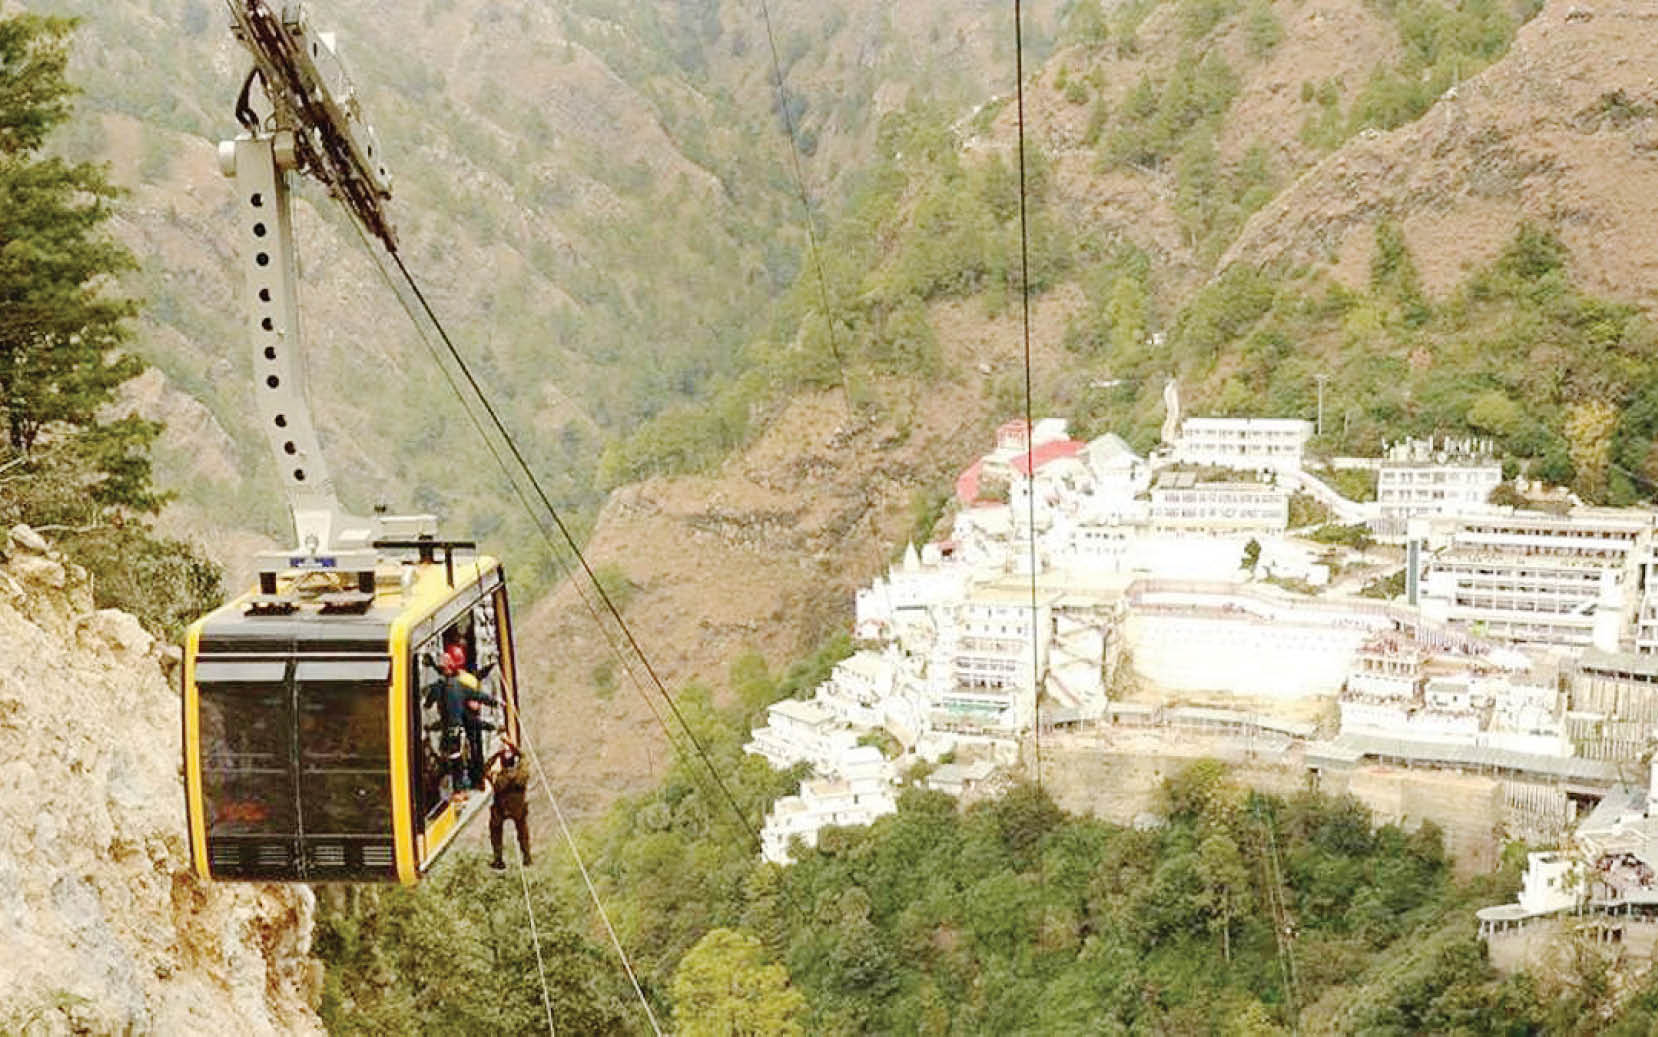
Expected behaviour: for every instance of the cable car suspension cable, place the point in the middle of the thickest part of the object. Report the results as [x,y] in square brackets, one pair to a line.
[529,508]
[1030,430]
[518,491]
[535,938]
[805,205]
[587,879]
[570,542]
[523,733]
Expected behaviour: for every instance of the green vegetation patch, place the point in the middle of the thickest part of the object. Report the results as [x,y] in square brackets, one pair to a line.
[1565,384]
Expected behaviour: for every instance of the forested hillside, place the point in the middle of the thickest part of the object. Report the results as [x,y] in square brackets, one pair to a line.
[1243,913]
[599,198]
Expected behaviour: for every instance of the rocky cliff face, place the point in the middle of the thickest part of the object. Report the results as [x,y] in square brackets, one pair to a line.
[107,930]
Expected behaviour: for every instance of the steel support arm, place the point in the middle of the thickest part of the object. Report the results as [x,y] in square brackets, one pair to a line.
[264,212]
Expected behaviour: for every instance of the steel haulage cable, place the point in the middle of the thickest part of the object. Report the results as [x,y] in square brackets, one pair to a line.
[535,938]
[1030,430]
[592,891]
[575,549]
[419,305]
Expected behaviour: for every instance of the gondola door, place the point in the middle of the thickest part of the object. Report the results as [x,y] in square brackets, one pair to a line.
[447,787]
[295,774]
[344,764]
[250,814]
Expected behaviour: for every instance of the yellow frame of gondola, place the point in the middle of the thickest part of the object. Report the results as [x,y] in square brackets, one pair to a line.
[427,597]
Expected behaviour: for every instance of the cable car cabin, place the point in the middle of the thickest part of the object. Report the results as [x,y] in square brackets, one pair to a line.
[314,750]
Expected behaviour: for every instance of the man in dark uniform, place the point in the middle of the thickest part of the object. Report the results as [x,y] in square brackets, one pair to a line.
[510,777]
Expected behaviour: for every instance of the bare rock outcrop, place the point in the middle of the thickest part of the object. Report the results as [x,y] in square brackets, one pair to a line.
[107,930]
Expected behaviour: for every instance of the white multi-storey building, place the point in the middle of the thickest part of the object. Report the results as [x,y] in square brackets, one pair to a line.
[990,650]
[857,688]
[1179,503]
[801,732]
[823,803]
[1532,577]
[1119,472]
[910,591]
[1259,444]
[1413,489]
[1526,711]
[1389,668]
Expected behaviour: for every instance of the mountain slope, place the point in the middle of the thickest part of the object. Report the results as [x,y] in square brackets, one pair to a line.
[719,563]
[1563,132]
[762,554]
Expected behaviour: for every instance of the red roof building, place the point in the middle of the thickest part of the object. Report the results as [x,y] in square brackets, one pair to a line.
[967,483]
[1046,453]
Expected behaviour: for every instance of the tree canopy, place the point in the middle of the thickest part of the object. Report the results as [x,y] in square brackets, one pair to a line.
[67,463]
[61,329]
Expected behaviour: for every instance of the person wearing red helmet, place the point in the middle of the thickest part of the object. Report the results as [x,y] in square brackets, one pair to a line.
[472,721]
[459,695]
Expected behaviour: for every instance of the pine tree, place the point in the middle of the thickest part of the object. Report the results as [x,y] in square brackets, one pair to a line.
[61,328]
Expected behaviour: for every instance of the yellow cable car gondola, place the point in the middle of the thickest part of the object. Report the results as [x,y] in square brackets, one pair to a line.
[314,747]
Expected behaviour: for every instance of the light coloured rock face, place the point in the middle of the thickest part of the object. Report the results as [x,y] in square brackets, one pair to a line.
[106,929]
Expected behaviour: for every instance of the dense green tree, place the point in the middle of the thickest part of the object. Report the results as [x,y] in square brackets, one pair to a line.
[1226,891]
[455,955]
[60,331]
[67,465]
[726,987]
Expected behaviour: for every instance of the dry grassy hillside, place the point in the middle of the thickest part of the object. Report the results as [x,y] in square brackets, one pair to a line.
[762,555]
[1562,132]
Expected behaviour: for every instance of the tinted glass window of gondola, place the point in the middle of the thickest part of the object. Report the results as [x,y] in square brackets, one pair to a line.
[344,755]
[247,749]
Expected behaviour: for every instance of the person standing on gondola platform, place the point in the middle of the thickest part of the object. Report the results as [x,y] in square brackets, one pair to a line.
[472,717]
[454,690]
[510,778]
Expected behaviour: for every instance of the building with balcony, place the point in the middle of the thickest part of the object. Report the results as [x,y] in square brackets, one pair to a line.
[823,803]
[1539,578]
[797,731]
[991,649]
[1252,444]
[1181,504]
[1414,489]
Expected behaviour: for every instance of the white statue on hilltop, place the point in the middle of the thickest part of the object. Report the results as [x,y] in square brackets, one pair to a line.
[1171,408]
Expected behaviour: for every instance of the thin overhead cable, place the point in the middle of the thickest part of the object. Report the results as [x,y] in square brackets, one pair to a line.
[1282,924]
[805,203]
[570,542]
[592,891]
[518,491]
[1030,428]
[535,939]
[627,966]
